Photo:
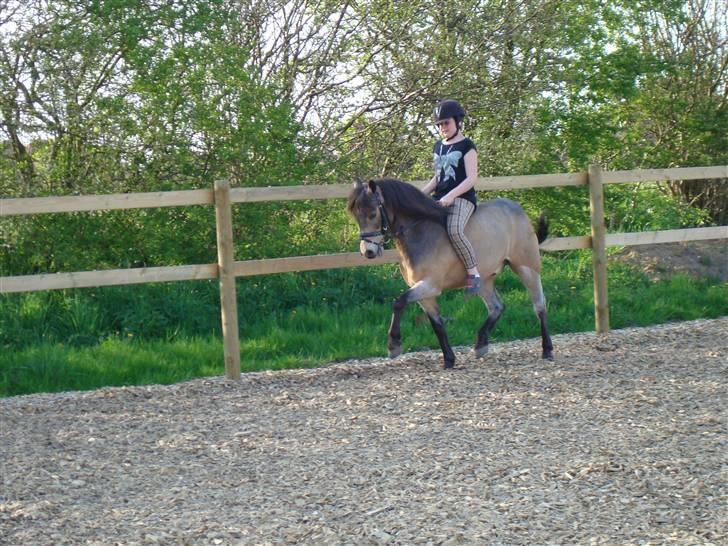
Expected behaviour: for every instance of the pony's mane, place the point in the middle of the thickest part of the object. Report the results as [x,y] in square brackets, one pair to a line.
[406,199]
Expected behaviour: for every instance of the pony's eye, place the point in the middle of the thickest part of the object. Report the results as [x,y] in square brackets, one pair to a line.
[373,216]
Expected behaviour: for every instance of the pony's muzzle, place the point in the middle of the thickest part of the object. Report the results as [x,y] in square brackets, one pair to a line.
[370,249]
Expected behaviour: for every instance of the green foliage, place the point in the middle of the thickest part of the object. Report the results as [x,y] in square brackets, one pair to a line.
[169,96]
[113,362]
[83,339]
[107,240]
[114,96]
[183,309]
[153,97]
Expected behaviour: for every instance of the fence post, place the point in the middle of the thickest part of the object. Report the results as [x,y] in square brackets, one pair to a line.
[599,248]
[226,274]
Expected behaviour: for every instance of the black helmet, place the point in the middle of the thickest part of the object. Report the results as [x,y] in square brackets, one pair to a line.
[446,109]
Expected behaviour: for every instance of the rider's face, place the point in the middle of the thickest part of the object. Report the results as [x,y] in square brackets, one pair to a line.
[448,128]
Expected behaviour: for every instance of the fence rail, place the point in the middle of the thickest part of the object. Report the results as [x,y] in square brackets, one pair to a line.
[223,197]
[85,203]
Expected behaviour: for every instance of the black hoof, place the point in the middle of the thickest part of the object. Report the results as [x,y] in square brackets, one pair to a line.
[548,355]
[448,364]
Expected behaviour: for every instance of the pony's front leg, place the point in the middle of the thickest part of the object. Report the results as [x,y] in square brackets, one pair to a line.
[394,336]
[421,290]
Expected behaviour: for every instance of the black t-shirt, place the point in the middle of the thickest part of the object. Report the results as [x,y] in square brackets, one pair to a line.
[450,167]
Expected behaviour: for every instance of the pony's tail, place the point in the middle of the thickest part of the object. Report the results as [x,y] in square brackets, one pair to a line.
[542,230]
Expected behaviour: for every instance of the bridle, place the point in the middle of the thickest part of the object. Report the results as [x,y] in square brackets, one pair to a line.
[384,229]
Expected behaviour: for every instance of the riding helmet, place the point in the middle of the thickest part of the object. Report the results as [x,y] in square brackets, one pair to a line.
[446,109]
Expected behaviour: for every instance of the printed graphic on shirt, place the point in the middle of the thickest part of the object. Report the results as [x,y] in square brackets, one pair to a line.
[446,163]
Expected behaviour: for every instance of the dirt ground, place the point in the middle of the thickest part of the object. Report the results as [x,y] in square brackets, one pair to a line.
[621,440]
[698,259]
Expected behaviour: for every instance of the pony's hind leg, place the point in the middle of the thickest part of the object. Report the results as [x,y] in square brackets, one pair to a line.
[495,310]
[532,280]
[429,305]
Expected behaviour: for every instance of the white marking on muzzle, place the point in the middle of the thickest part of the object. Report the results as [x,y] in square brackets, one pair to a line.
[365,246]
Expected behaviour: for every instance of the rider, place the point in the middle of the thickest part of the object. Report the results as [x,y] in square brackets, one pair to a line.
[456,168]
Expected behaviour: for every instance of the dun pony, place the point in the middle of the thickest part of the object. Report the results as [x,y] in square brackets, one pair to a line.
[499,230]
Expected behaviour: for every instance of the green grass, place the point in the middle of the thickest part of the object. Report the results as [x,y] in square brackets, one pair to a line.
[85,339]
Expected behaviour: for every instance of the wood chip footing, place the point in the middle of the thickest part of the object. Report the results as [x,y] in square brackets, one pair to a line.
[620,440]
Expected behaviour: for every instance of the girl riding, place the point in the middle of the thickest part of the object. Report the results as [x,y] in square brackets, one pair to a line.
[456,168]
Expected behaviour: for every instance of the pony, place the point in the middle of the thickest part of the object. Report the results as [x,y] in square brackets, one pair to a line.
[499,230]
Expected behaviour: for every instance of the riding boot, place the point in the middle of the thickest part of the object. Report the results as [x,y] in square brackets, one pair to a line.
[472,286]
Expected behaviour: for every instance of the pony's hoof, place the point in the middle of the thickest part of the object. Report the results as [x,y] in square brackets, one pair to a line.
[394,352]
[448,364]
[548,355]
[480,352]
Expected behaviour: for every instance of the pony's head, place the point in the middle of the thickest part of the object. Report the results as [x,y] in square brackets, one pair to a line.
[366,205]
[380,206]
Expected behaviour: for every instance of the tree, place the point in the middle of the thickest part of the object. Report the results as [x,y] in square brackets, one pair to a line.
[650,92]
[116,96]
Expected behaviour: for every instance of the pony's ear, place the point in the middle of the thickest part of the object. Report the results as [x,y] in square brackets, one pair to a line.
[374,189]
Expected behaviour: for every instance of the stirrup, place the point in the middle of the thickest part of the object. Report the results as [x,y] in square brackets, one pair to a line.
[472,285]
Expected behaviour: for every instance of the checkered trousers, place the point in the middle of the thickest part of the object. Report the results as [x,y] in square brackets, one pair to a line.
[460,211]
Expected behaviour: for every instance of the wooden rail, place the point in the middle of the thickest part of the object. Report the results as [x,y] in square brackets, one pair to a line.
[80,203]
[247,268]
[222,197]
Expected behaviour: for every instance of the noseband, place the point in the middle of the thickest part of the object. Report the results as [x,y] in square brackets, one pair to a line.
[384,230]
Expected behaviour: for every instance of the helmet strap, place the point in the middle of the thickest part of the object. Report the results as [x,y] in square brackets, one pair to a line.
[459,124]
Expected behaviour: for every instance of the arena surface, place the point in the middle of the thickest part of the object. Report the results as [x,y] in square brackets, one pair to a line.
[620,440]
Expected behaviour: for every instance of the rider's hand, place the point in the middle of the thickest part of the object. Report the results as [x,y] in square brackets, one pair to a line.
[446,201]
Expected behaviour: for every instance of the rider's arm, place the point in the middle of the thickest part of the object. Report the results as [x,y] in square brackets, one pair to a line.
[430,186]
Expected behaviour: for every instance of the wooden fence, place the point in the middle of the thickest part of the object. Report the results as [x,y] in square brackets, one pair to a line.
[227,269]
